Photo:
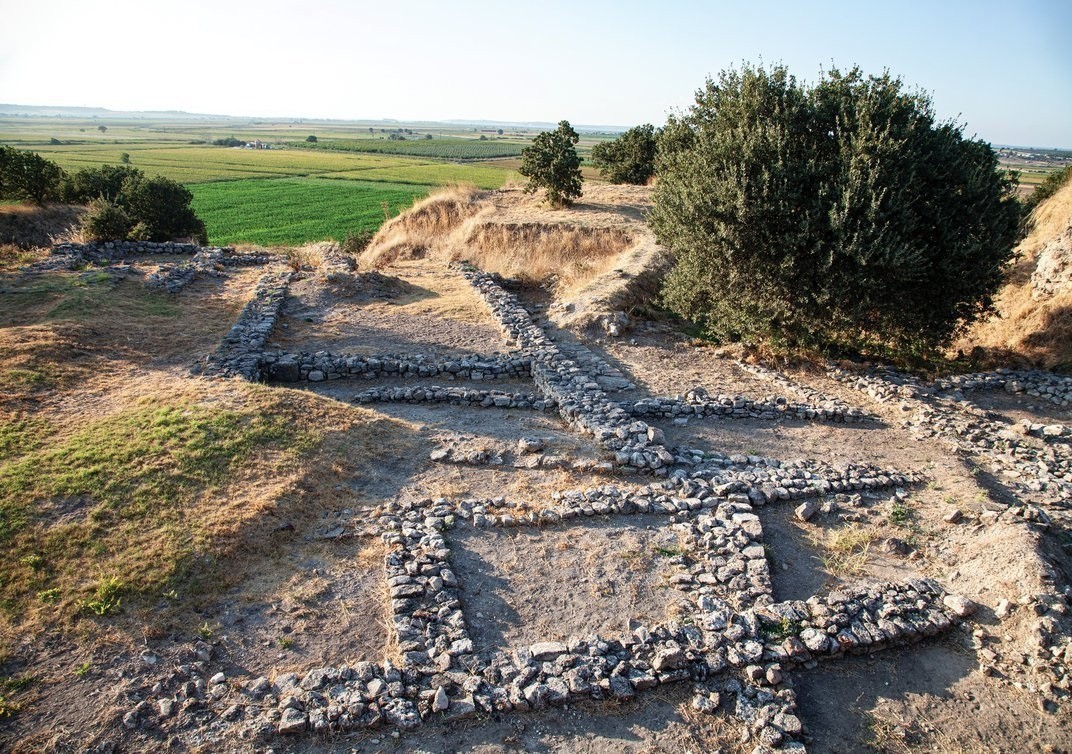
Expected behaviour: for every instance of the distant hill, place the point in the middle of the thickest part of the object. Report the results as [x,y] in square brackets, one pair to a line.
[62,111]
[52,111]
[533,124]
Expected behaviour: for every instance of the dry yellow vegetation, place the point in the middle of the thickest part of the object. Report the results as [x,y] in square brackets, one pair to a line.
[590,256]
[1029,326]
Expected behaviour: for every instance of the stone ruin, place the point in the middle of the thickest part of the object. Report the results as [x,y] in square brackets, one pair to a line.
[733,642]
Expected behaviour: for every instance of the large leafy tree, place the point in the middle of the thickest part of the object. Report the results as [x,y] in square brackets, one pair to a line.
[841,213]
[630,158]
[551,162]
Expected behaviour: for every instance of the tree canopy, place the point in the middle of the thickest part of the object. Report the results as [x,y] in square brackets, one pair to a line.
[836,214]
[552,163]
[630,158]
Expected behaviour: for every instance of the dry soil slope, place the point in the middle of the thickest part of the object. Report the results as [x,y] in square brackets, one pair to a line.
[1034,309]
[597,257]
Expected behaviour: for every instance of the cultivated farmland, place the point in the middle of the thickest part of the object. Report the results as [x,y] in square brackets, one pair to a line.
[447,149]
[298,202]
[290,211]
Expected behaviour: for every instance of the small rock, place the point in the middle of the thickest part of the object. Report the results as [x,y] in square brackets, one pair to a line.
[807,509]
[962,607]
[292,721]
[547,650]
[441,702]
[953,517]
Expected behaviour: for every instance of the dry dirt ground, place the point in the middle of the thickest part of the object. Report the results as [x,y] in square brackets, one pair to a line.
[272,587]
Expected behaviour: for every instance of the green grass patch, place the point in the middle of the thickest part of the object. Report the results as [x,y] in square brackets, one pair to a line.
[118,497]
[20,434]
[82,297]
[294,211]
[195,164]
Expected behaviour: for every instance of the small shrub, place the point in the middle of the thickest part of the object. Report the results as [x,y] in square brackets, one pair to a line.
[105,221]
[29,176]
[355,243]
[107,597]
[900,514]
[163,206]
[140,232]
[105,182]
[82,669]
[230,141]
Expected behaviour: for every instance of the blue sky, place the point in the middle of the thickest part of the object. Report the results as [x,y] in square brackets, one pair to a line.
[1004,69]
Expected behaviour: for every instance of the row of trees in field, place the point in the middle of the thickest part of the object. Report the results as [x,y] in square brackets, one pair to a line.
[835,216]
[123,202]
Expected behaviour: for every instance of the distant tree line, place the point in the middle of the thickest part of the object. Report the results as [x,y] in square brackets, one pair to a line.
[123,202]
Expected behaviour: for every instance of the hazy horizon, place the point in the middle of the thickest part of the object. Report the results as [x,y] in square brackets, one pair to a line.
[1003,72]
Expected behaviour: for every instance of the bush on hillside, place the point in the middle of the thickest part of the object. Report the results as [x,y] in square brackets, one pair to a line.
[127,205]
[630,158]
[1047,188]
[840,214]
[105,182]
[105,220]
[163,207]
[551,163]
[27,176]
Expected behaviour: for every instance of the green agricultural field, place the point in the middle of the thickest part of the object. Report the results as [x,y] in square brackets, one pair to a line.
[433,173]
[197,164]
[286,195]
[445,149]
[291,211]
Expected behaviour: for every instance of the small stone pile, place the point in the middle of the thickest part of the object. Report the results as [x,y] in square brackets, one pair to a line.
[1055,388]
[319,366]
[1047,432]
[240,352]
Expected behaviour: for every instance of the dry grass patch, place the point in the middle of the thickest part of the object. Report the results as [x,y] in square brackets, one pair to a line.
[1031,327]
[562,256]
[172,498]
[423,228]
[28,225]
[564,250]
[845,551]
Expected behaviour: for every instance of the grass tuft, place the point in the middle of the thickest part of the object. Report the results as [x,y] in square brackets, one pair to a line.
[845,551]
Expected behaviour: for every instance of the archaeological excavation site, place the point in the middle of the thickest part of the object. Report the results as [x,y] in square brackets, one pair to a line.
[430,496]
